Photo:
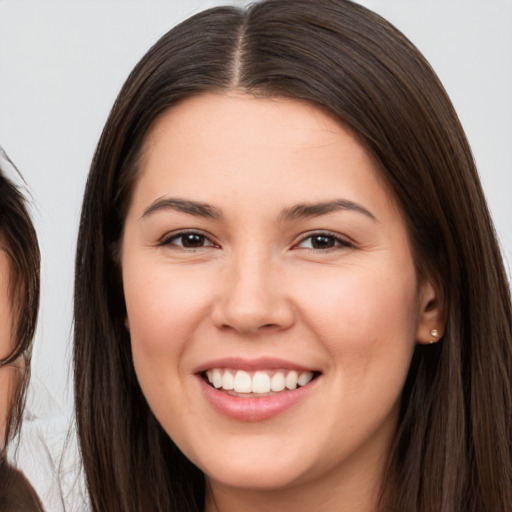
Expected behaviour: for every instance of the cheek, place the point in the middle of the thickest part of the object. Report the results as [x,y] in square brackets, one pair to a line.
[10,381]
[4,402]
[165,308]
[6,331]
[366,318]
[366,323]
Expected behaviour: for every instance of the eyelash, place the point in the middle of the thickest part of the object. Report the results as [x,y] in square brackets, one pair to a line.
[330,238]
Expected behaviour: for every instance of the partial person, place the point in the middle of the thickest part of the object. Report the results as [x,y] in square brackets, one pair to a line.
[19,302]
[289,294]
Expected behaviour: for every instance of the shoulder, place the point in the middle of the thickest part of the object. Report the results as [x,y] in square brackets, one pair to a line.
[16,493]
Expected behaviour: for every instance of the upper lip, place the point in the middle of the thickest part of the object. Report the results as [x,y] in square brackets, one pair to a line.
[261,363]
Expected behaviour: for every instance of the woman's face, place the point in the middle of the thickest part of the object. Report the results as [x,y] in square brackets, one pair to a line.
[262,251]
[6,340]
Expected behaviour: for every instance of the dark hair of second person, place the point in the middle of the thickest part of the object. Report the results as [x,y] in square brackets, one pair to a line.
[20,263]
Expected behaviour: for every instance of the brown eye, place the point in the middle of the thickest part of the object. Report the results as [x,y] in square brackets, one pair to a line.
[193,240]
[188,240]
[322,242]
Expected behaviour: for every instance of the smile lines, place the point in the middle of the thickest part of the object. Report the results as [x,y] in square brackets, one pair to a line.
[259,382]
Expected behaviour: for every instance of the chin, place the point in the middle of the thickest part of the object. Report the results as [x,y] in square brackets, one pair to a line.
[266,477]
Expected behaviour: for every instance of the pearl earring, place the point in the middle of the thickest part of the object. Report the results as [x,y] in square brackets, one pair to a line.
[434,333]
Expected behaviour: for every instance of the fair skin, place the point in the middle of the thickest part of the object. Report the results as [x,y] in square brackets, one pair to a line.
[6,372]
[261,239]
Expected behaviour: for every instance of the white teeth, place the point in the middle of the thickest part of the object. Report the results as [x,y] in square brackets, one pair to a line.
[217,378]
[259,382]
[304,378]
[242,382]
[291,380]
[228,381]
[277,382]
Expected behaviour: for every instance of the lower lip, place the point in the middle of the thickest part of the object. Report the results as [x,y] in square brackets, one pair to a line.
[254,409]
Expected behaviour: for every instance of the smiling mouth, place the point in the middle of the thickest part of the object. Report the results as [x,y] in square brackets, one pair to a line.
[259,383]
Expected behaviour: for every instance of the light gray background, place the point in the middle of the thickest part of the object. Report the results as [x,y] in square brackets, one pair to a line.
[63,62]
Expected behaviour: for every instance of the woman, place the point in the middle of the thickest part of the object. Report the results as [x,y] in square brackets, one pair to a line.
[289,293]
[19,302]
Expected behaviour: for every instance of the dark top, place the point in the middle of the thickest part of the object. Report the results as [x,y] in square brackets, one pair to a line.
[16,494]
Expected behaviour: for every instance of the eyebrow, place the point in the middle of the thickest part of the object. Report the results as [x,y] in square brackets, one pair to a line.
[305,210]
[298,211]
[183,205]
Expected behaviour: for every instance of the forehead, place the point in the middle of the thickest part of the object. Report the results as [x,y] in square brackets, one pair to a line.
[278,137]
[209,118]
[229,108]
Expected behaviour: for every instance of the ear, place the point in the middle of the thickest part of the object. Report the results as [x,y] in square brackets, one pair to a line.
[431,320]
[127,323]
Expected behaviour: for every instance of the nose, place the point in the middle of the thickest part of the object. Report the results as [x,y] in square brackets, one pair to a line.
[253,296]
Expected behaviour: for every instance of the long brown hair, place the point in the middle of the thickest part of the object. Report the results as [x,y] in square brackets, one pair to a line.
[18,239]
[452,451]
